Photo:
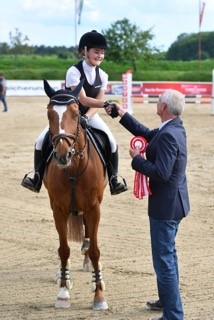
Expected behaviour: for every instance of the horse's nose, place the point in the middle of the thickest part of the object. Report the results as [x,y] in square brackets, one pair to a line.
[63,160]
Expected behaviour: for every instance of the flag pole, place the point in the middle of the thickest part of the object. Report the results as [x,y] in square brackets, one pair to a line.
[75,23]
[199,37]
[201,13]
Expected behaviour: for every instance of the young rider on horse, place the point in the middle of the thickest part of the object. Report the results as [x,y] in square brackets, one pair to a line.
[92,47]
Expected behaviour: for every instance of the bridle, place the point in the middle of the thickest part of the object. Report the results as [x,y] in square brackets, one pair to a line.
[72,145]
[58,99]
[73,151]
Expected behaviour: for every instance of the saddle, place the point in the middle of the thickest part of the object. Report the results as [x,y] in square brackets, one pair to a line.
[98,138]
[101,143]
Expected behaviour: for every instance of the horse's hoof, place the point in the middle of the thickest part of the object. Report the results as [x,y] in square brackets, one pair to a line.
[100,305]
[60,303]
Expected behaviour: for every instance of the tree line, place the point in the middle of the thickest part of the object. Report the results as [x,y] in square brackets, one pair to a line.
[127,43]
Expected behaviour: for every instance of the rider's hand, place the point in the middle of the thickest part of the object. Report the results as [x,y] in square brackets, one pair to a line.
[84,121]
[111,109]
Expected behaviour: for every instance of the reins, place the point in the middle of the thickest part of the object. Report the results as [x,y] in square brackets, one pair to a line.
[75,152]
[73,180]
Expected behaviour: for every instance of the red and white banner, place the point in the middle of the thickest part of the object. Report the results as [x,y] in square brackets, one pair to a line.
[138,88]
[194,88]
[127,91]
[157,88]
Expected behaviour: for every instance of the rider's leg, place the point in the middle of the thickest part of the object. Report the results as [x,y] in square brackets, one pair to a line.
[112,170]
[112,166]
[34,184]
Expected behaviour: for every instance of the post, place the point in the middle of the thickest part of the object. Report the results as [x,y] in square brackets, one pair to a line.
[199,37]
[127,91]
[201,13]
[199,50]
[212,97]
[75,23]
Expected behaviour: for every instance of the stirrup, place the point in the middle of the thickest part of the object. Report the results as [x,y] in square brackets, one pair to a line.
[119,188]
[31,184]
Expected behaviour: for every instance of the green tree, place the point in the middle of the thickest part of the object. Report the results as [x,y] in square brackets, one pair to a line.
[185,47]
[127,43]
[19,44]
[4,48]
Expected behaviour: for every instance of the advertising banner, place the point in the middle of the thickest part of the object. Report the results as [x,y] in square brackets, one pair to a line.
[194,88]
[30,87]
[125,88]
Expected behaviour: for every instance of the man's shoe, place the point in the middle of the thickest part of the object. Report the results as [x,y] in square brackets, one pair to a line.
[154,305]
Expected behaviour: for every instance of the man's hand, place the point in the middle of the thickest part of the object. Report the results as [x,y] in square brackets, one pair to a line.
[134,152]
[113,109]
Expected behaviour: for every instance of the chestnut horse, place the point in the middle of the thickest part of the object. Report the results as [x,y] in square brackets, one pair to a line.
[75,181]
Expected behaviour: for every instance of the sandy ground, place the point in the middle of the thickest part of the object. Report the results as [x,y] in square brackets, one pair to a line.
[29,241]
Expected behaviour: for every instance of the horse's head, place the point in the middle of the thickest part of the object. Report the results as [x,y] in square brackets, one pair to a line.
[64,122]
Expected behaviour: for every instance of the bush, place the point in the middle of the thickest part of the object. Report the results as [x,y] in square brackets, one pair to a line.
[54,67]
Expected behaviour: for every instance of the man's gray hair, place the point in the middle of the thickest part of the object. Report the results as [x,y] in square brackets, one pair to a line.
[174,100]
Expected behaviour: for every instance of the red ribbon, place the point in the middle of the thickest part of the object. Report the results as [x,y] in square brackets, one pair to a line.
[141,185]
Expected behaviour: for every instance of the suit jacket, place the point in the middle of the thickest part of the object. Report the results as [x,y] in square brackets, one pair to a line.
[165,165]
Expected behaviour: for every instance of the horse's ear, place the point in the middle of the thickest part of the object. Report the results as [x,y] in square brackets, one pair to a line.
[76,91]
[48,89]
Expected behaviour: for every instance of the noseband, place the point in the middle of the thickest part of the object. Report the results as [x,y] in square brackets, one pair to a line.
[67,137]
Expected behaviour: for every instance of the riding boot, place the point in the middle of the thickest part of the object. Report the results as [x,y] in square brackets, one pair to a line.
[34,184]
[112,169]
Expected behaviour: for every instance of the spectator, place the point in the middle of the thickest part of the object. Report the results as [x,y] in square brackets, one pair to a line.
[3,91]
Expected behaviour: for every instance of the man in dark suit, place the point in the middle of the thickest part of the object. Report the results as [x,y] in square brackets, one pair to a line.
[165,165]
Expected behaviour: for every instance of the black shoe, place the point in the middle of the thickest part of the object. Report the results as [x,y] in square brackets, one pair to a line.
[112,169]
[154,305]
[32,184]
[116,188]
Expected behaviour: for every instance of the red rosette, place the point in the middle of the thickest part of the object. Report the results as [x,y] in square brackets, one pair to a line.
[138,142]
[141,186]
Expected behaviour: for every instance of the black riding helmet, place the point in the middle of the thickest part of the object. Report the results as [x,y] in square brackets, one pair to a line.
[92,39]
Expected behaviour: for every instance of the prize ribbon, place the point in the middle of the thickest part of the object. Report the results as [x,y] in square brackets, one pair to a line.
[141,185]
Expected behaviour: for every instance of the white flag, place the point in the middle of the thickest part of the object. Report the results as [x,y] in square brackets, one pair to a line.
[80,10]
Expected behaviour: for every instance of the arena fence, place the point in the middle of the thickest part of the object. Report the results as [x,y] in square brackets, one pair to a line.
[153,99]
[146,99]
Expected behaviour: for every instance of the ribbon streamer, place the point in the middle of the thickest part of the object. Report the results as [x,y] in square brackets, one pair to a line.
[141,185]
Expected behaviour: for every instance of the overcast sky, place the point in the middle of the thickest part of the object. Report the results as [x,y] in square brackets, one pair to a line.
[51,22]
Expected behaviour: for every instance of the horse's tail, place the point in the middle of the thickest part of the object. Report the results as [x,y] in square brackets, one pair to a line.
[75,228]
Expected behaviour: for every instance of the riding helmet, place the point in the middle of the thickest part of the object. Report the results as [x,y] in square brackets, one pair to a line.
[92,39]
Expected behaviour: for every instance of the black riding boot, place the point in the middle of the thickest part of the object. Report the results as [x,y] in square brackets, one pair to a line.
[112,169]
[34,184]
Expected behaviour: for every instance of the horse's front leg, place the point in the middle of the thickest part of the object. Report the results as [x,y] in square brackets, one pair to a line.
[98,285]
[63,297]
